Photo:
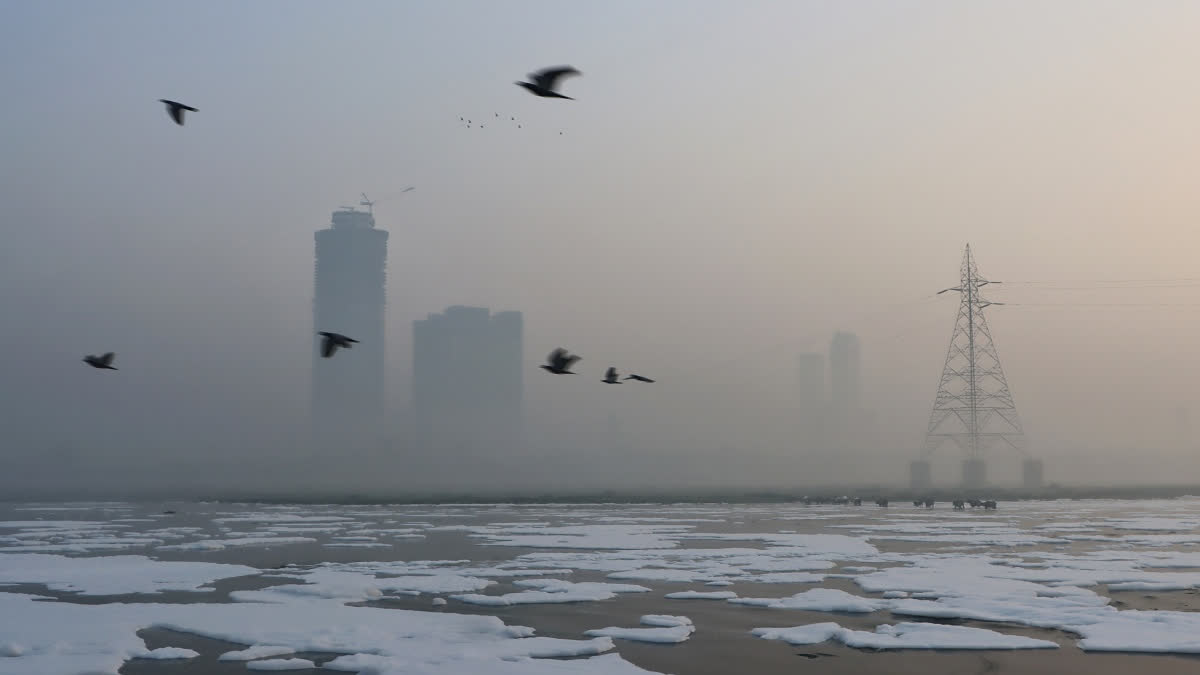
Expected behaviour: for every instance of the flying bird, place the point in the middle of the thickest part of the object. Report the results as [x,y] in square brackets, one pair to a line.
[545,81]
[610,376]
[104,361]
[176,110]
[639,378]
[559,361]
[332,341]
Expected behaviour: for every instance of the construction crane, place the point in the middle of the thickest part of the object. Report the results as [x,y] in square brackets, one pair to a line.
[371,204]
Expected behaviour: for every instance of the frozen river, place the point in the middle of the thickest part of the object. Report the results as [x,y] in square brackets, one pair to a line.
[201,588]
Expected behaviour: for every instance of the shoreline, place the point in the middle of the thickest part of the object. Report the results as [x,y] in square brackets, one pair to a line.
[899,497]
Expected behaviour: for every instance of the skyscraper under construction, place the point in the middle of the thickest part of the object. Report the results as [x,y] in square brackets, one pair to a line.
[347,389]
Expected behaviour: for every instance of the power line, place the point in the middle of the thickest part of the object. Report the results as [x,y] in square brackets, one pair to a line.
[1133,305]
[1108,283]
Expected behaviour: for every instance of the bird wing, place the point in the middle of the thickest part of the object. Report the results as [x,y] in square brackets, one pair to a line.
[570,360]
[348,339]
[548,78]
[557,357]
[175,110]
[611,374]
[328,346]
[107,358]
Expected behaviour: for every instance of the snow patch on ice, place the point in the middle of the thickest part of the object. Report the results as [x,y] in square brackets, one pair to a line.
[666,620]
[168,653]
[256,652]
[113,575]
[664,635]
[819,600]
[281,664]
[701,595]
[909,635]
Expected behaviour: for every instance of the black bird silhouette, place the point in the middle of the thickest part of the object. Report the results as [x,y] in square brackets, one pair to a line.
[545,81]
[332,341]
[176,110]
[104,361]
[639,378]
[559,361]
[610,376]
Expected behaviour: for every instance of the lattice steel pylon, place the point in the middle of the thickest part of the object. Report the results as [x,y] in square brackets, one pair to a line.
[974,407]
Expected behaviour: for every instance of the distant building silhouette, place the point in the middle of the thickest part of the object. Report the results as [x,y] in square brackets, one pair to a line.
[845,390]
[468,382]
[348,390]
[845,379]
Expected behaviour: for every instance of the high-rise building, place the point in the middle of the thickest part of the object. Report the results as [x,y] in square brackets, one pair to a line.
[468,381]
[347,389]
[845,381]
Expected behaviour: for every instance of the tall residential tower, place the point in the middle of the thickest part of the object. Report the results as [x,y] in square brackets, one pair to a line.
[468,383]
[348,395]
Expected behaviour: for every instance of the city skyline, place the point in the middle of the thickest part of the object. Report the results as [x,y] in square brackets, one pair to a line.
[657,223]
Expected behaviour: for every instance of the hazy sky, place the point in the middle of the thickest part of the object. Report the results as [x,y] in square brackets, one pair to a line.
[735,181]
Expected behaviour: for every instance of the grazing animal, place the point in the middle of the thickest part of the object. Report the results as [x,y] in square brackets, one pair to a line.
[545,81]
[917,502]
[929,503]
[881,502]
[989,505]
[175,110]
[332,341]
[858,501]
[559,361]
[610,376]
[959,505]
[104,361]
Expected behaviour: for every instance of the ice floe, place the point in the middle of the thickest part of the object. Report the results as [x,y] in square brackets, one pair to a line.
[818,600]
[701,595]
[281,664]
[58,638]
[113,575]
[168,653]
[664,635]
[909,635]
[257,652]
[667,620]
[551,591]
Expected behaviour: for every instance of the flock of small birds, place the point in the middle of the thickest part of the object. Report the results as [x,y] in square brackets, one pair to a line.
[543,83]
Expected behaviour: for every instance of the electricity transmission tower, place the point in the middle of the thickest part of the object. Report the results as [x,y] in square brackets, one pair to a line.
[973,407]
